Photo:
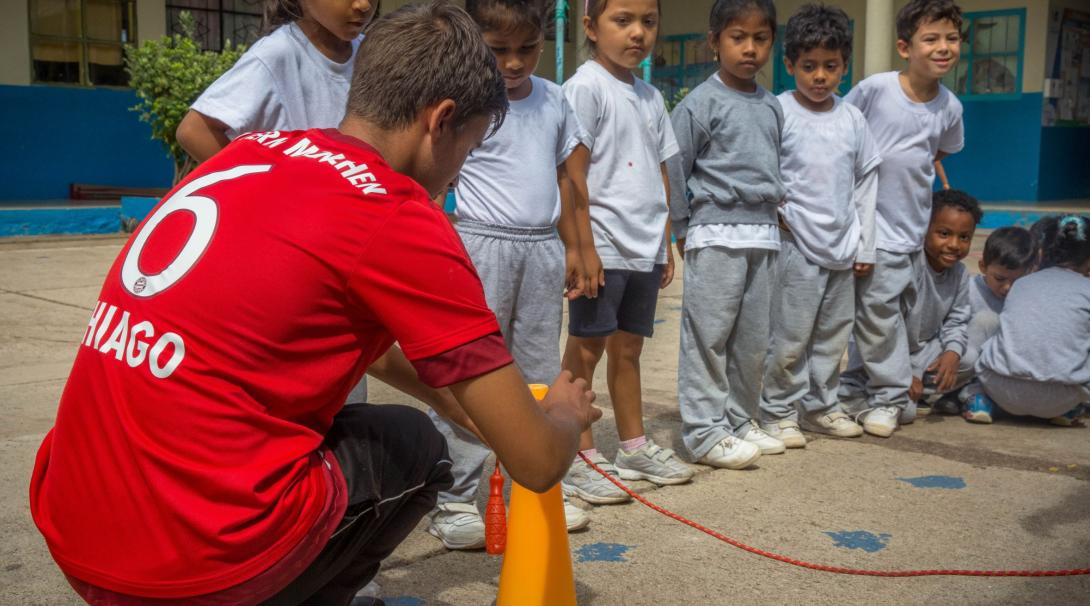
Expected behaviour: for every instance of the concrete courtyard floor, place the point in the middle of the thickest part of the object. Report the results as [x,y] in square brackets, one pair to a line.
[939,494]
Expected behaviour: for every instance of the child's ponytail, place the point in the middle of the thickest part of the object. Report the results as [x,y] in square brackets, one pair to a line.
[1069,244]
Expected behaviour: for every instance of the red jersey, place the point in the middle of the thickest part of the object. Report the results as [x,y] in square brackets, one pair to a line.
[229,331]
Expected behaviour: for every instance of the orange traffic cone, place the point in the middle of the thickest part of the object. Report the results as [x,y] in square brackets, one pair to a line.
[495,517]
[537,568]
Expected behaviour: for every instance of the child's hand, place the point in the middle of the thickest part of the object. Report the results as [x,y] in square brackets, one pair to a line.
[668,271]
[945,368]
[916,389]
[862,270]
[574,275]
[681,248]
[594,276]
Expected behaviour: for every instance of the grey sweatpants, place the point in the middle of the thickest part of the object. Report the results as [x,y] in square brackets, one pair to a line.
[1044,399]
[982,326]
[522,270]
[879,369]
[812,313]
[724,340]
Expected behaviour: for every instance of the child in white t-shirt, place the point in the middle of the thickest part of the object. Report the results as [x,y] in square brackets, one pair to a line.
[626,252]
[828,161]
[509,210]
[915,120]
[296,77]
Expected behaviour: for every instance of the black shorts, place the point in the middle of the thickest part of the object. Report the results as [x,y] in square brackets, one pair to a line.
[394,462]
[626,302]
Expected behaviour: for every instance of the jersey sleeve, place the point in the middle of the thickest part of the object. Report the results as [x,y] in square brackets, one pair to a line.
[571,132]
[244,98]
[416,280]
[587,107]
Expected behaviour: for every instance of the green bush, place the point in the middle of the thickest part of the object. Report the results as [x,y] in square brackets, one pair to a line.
[168,75]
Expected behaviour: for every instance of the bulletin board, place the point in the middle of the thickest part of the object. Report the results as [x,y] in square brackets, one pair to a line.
[1067,87]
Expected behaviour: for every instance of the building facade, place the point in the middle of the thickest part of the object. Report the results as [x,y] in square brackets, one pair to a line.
[1024,80]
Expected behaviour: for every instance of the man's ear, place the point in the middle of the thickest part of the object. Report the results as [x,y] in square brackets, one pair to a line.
[440,120]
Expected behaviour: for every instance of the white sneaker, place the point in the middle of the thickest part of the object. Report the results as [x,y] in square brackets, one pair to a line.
[881,421]
[457,525]
[835,424]
[762,440]
[731,453]
[587,484]
[786,431]
[653,463]
[574,517]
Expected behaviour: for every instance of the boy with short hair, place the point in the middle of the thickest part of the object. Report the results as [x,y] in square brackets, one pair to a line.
[828,161]
[1009,254]
[938,323]
[509,210]
[915,121]
[207,458]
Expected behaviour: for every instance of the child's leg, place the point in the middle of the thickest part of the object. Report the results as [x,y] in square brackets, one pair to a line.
[499,262]
[880,335]
[795,306]
[397,447]
[715,281]
[623,351]
[534,337]
[1026,397]
[829,341]
[747,347]
[581,357]
[982,327]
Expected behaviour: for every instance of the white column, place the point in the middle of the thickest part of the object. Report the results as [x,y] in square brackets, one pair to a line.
[879,37]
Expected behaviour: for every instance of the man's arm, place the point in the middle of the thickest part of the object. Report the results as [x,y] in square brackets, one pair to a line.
[395,370]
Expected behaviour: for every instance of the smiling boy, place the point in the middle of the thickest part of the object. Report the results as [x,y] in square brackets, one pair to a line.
[915,121]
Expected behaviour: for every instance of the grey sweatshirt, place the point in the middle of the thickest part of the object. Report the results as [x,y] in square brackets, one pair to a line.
[942,310]
[981,298]
[729,157]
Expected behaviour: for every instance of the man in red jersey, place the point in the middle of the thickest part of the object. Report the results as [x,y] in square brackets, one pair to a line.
[201,454]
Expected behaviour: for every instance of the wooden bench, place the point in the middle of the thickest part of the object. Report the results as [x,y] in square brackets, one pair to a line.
[85,191]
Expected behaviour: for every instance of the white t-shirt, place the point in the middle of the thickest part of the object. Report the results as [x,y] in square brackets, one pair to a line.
[823,156]
[630,136]
[511,178]
[282,82]
[909,135]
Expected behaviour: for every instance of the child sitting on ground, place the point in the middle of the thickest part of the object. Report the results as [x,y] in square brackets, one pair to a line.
[937,324]
[1038,363]
[1009,254]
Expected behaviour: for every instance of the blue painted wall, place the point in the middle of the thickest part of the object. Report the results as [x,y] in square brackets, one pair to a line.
[1002,152]
[55,135]
[1065,163]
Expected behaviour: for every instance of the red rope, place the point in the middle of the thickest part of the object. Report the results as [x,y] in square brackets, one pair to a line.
[837,569]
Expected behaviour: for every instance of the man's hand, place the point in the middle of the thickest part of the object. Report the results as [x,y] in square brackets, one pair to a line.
[945,368]
[916,389]
[569,396]
[862,270]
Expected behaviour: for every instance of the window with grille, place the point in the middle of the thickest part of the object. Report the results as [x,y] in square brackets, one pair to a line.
[991,55]
[218,21]
[81,41]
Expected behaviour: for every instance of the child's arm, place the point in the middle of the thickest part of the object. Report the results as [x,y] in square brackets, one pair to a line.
[865,196]
[668,271]
[940,171]
[954,335]
[692,137]
[201,136]
[575,169]
[536,442]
